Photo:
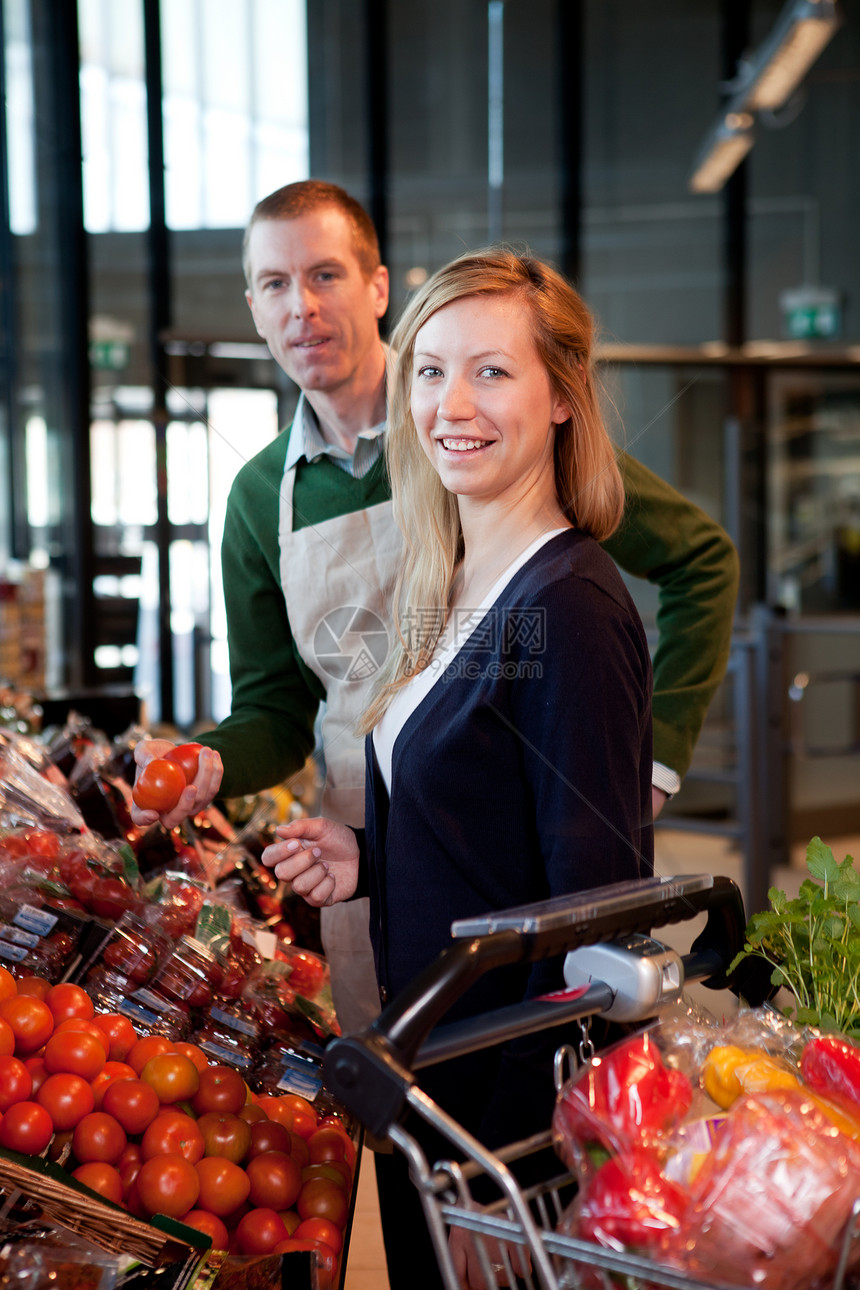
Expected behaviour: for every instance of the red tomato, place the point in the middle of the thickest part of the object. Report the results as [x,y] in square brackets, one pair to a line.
[74,1052]
[322,1198]
[186,756]
[172,1133]
[16,1082]
[133,1202]
[299,1150]
[31,1022]
[220,1089]
[167,1185]
[8,984]
[119,1032]
[78,874]
[307,972]
[38,1074]
[210,1225]
[99,1136]
[276,1180]
[128,1167]
[225,1135]
[337,1170]
[193,1053]
[7,1039]
[131,1101]
[101,1178]
[14,845]
[320,1229]
[159,786]
[67,1000]
[224,1186]
[149,1046]
[111,898]
[110,1073]
[326,1144]
[42,842]
[37,986]
[67,1099]
[129,955]
[268,1135]
[175,1078]
[26,1127]
[259,1231]
[83,1026]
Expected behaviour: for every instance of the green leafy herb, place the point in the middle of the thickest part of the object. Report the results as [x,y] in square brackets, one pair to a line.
[813,942]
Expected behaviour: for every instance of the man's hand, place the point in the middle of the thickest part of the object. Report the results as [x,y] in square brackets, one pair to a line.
[207,781]
[318,857]
[468,1267]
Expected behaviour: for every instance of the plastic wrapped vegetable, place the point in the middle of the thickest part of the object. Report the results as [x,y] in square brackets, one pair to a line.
[830,1064]
[630,1203]
[771,1199]
[625,1097]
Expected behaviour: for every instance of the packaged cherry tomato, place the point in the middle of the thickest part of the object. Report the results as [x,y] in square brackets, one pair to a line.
[38,935]
[134,948]
[272,1000]
[181,899]
[230,1037]
[288,1068]
[190,975]
[148,1012]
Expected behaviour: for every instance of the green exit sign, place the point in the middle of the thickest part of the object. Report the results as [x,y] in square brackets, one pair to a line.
[811,313]
[109,355]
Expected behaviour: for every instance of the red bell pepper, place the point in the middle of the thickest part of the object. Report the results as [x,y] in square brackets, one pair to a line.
[625,1097]
[830,1065]
[630,1201]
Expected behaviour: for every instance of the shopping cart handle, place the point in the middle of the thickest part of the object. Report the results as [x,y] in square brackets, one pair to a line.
[371,1072]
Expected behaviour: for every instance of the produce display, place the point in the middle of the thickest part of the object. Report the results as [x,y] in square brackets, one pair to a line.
[164,1008]
[163,1013]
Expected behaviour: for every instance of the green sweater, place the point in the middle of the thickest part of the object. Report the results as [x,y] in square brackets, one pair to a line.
[270,731]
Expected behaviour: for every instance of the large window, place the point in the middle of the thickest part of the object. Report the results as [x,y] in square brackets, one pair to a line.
[235,119]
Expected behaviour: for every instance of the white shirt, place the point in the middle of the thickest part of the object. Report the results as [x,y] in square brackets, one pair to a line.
[460,626]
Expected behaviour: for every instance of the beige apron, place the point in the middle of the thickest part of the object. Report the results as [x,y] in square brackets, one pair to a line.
[338,579]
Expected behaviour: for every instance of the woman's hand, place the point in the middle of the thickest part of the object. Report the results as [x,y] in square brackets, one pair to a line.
[319,858]
[194,797]
[468,1267]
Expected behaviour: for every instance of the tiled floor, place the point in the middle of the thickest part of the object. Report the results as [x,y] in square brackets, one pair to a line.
[677,853]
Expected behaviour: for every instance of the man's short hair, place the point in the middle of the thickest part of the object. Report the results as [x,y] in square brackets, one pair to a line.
[308,195]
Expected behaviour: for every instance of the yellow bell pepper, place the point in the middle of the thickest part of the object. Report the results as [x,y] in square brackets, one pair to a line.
[729,1071]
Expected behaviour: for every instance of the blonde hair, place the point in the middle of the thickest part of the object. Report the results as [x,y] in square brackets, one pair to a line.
[587,478]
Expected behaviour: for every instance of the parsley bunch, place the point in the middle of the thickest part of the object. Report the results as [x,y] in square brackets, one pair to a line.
[813,942]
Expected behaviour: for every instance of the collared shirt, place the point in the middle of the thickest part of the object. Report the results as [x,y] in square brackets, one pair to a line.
[306,438]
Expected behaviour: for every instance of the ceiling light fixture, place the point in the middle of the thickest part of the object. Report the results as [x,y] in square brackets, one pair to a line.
[722,152]
[765,81]
[801,32]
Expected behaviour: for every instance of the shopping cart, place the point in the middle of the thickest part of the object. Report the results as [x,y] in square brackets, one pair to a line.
[619,971]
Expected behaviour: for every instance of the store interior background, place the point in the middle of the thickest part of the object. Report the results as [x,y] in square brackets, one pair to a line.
[136,138]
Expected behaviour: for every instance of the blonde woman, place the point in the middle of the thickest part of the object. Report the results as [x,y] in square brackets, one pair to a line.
[509,737]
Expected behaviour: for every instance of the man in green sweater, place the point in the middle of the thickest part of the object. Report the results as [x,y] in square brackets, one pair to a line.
[310,553]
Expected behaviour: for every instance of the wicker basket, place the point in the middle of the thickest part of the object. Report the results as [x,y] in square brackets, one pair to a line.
[81,1210]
